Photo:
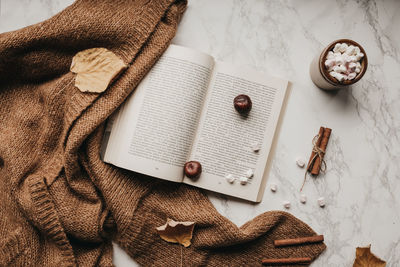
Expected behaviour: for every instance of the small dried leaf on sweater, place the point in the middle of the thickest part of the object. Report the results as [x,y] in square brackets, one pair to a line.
[95,69]
[364,258]
[177,232]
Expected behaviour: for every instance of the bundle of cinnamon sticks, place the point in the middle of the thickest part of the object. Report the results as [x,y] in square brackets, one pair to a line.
[293,242]
[318,152]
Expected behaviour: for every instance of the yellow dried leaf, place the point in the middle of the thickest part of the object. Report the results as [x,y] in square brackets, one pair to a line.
[364,258]
[95,69]
[176,232]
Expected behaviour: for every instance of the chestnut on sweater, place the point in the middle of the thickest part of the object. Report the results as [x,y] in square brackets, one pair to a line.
[60,205]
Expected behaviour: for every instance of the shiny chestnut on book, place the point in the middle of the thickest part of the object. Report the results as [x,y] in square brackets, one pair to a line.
[192,169]
[242,104]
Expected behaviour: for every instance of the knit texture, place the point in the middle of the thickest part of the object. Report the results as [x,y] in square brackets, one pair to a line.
[60,205]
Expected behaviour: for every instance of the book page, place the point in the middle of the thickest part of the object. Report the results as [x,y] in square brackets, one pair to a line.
[154,130]
[223,144]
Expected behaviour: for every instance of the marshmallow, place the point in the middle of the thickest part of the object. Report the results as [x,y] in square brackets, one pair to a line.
[300,162]
[337,76]
[343,47]
[255,146]
[340,68]
[303,198]
[336,48]
[343,62]
[339,60]
[286,204]
[359,56]
[329,63]
[274,187]
[321,202]
[351,50]
[351,76]
[352,66]
[229,178]
[249,173]
[243,180]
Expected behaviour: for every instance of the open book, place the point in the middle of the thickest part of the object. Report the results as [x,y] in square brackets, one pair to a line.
[183,110]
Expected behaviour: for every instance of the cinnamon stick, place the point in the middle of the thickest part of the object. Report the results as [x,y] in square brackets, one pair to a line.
[305,260]
[324,143]
[299,241]
[318,143]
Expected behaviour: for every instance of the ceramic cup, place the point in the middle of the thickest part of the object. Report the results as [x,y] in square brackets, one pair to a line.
[320,75]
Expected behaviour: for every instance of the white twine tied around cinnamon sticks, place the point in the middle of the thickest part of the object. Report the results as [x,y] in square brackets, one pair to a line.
[317,162]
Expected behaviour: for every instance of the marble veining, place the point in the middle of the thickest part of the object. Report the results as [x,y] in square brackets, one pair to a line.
[362,183]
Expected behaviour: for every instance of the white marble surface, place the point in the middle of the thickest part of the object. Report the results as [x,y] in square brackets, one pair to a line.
[362,183]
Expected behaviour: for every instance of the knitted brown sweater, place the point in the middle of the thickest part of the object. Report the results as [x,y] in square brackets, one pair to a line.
[60,205]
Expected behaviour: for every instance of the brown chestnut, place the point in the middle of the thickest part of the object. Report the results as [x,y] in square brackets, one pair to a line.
[192,169]
[242,104]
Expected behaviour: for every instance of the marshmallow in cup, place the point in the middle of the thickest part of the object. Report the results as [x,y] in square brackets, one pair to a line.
[341,63]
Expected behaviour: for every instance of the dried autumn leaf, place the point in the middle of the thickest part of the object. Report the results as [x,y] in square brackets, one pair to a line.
[95,69]
[364,258]
[176,232]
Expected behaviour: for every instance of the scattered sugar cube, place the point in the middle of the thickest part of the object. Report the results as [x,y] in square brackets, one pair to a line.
[303,198]
[300,162]
[321,202]
[243,180]
[274,187]
[249,173]
[229,178]
[286,204]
